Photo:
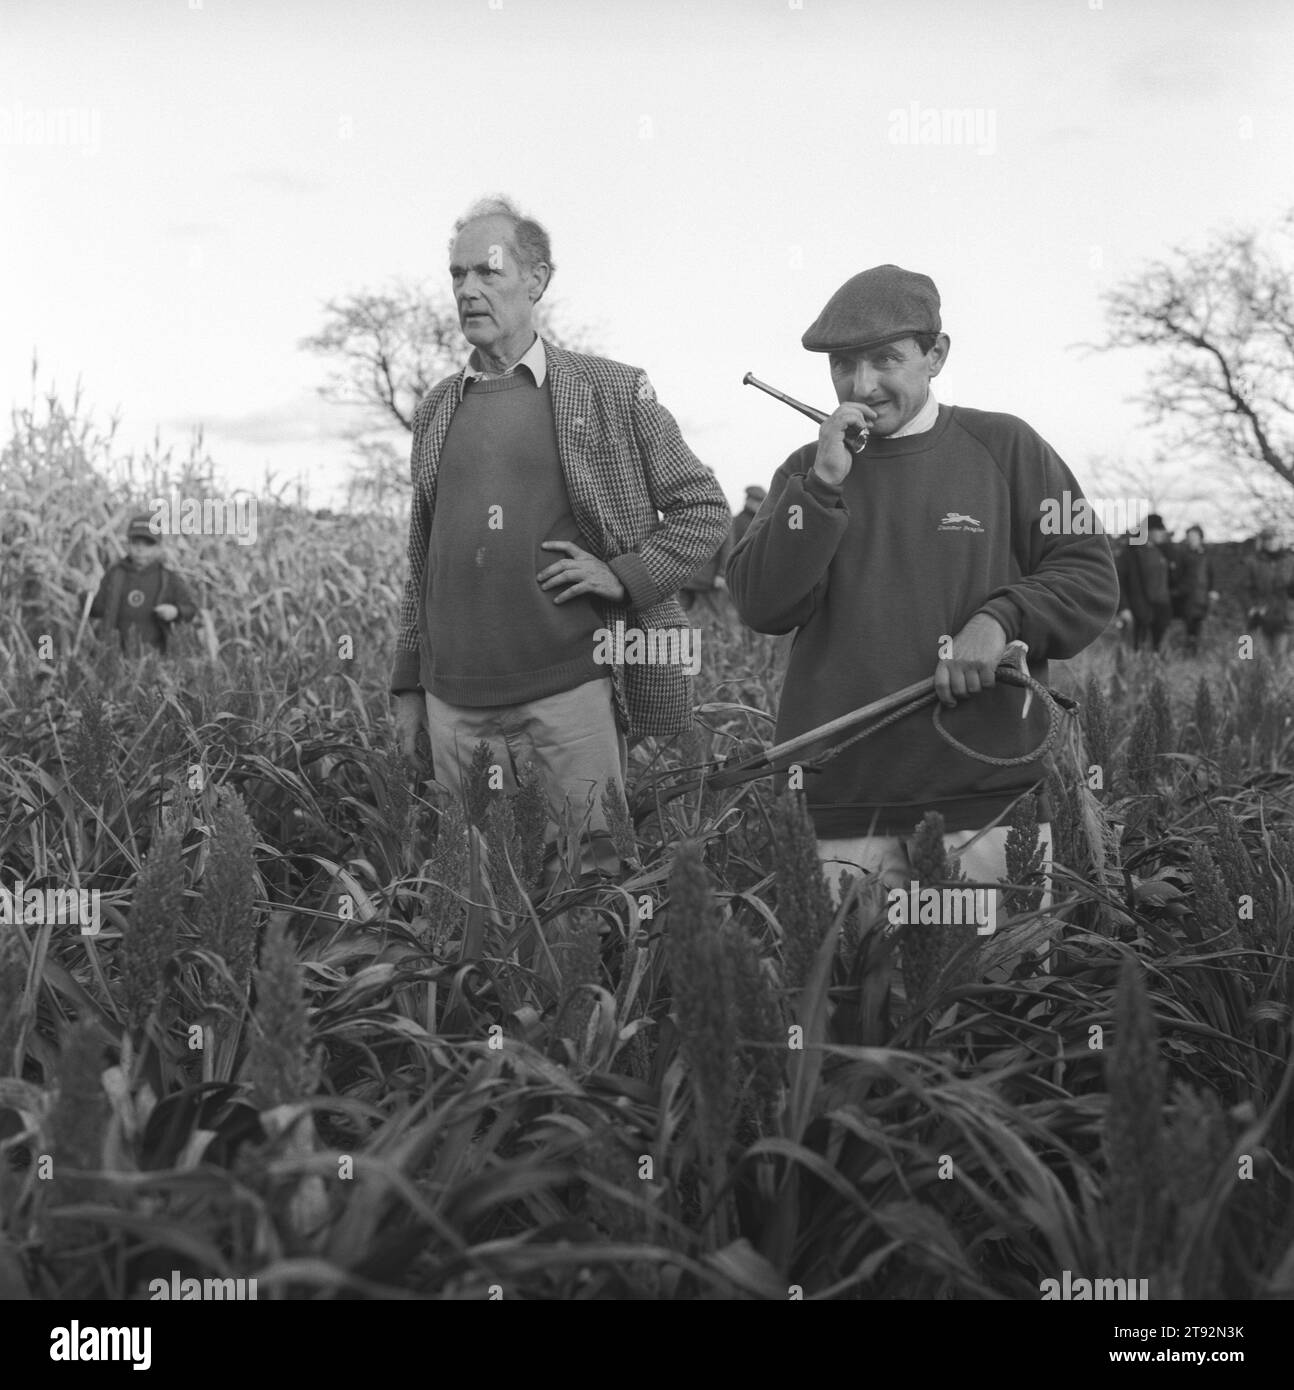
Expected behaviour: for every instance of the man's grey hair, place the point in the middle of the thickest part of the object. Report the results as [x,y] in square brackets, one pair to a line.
[530,243]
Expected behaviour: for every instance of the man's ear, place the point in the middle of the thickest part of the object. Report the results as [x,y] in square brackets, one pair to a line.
[540,276]
[938,354]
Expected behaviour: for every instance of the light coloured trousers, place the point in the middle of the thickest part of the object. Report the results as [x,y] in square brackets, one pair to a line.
[887,855]
[572,738]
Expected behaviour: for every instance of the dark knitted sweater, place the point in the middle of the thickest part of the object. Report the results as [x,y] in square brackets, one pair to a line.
[491,635]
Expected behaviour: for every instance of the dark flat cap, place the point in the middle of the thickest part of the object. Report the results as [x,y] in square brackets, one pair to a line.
[876,306]
[140,528]
[757,492]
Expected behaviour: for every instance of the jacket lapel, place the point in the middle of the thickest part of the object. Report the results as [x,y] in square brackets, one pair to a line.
[573,417]
[437,430]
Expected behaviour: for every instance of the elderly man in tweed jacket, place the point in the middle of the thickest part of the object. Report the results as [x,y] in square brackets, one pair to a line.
[553,500]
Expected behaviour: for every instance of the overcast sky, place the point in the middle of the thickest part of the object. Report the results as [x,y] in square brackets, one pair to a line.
[185,182]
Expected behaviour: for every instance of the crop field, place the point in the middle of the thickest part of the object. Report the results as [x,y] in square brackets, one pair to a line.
[344,1038]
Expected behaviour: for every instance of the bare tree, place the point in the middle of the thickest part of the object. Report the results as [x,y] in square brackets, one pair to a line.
[390,348]
[1220,323]
[1161,486]
[387,349]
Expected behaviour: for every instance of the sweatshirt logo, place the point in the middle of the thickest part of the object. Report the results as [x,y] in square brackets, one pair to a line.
[959,521]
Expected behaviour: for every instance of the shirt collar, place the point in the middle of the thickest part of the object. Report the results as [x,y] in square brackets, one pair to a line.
[534,359]
[923,420]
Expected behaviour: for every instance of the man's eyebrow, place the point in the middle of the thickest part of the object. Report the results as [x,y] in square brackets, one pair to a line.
[480,265]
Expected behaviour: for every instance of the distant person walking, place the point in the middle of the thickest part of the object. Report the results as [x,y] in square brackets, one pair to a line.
[704,588]
[1193,587]
[708,581]
[741,522]
[141,597]
[1269,582]
[1145,585]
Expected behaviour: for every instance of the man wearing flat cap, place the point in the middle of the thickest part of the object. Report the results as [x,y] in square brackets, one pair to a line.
[923,555]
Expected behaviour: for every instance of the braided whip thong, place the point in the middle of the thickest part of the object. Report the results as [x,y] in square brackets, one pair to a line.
[887,710]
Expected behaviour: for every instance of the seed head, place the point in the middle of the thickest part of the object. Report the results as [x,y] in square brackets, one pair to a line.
[13,981]
[1096,722]
[804,908]
[476,784]
[1133,1135]
[227,911]
[759,1021]
[280,1063]
[1161,708]
[148,941]
[1206,718]
[1024,857]
[530,814]
[701,978]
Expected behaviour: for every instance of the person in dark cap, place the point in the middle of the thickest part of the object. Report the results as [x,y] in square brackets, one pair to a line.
[1194,592]
[924,555]
[703,589]
[741,522]
[707,583]
[1269,586]
[141,597]
[1146,578]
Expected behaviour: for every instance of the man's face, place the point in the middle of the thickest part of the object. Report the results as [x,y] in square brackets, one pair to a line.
[894,379]
[1158,536]
[1271,542]
[143,552]
[1195,540]
[495,295]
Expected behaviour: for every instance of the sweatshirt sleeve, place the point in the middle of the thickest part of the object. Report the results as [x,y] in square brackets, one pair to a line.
[777,574]
[1068,589]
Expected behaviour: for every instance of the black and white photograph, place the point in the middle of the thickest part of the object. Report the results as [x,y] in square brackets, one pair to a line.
[645,657]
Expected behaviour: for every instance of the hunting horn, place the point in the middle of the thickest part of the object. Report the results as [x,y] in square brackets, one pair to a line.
[855,438]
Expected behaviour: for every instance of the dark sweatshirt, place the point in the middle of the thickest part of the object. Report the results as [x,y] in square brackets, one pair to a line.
[925,532]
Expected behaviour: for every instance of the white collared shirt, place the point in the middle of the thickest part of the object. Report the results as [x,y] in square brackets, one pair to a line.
[923,420]
[534,357]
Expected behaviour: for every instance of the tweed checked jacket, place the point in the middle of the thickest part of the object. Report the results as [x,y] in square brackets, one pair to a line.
[625,464]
